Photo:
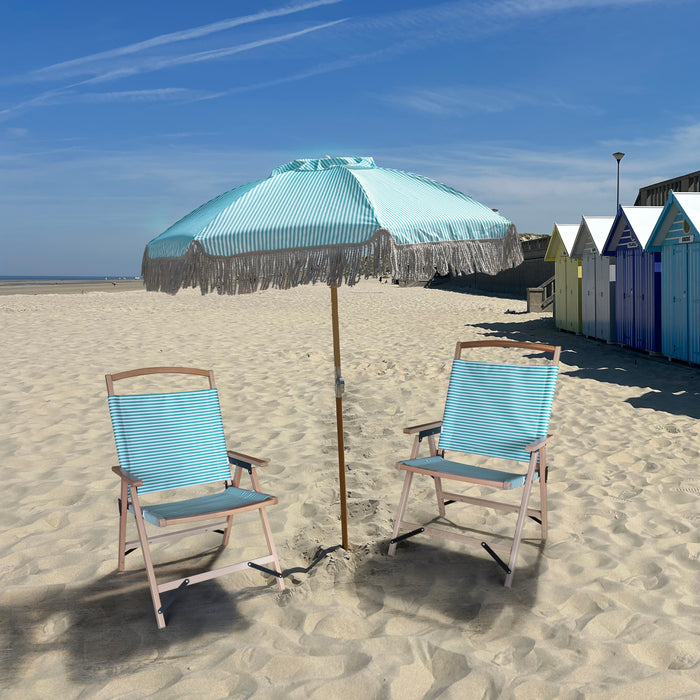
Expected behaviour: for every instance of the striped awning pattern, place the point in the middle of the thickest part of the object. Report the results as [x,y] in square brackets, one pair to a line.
[330,220]
[495,409]
[170,440]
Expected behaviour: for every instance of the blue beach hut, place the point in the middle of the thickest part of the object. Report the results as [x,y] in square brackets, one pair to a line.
[597,278]
[637,278]
[677,237]
[567,278]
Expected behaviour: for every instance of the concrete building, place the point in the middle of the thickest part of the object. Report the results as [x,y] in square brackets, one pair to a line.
[656,195]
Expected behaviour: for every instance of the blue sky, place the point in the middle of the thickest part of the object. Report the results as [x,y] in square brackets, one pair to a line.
[116,119]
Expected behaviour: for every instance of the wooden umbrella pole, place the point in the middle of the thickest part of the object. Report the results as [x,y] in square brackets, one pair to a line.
[339,388]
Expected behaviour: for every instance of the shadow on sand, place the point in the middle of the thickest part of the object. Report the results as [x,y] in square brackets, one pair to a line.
[107,628]
[673,387]
[428,578]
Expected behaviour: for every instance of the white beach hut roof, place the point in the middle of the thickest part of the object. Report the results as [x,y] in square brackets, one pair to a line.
[642,221]
[685,203]
[690,203]
[567,235]
[594,228]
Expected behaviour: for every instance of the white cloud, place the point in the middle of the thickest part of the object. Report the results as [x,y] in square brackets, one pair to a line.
[87,64]
[160,63]
[459,100]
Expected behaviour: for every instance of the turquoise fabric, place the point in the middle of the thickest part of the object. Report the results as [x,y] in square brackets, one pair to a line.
[170,440]
[497,409]
[329,202]
[230,498]
[444,466]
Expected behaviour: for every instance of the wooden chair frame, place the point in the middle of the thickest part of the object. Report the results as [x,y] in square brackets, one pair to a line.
[223,519]
[537,467]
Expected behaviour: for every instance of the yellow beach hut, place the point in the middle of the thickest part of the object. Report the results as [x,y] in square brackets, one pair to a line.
[567,277]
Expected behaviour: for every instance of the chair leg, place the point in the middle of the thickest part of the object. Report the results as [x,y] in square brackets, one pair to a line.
[402,508]
[543,494]
[123,512]
[440,497]
[227,531]
[522,514]
[271,546]
[153,584]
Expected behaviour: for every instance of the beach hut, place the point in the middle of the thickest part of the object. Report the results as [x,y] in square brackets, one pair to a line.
[637,278]
[677,237]
[567,278]
[597,278]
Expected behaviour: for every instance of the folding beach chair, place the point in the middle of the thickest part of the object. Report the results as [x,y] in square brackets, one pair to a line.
[174,440]
[495,410]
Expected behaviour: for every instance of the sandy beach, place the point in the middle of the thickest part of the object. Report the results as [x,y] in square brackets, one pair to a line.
[609,608]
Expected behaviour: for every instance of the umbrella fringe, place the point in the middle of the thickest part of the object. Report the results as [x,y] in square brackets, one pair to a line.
[332,265]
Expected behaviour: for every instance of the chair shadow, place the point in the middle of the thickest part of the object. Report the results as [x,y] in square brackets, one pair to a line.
[107,628]
[674,387]
[427,579]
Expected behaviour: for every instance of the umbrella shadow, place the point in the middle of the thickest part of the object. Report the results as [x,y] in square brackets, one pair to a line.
[673,387]
[425,579]
[107,628]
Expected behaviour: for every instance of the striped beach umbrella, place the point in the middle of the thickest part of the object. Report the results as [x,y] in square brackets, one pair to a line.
[334,221]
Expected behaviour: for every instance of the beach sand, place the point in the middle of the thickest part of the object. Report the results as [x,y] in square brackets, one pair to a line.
[609,608]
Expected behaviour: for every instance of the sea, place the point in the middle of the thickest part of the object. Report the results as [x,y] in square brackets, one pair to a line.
[28,279]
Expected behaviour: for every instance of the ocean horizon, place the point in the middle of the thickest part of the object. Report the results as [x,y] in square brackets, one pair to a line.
[64,278]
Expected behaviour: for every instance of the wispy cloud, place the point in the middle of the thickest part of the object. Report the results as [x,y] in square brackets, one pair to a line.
[87,64]
[396,32]
[460,100]
[155,95]
[156,64]
[70,93]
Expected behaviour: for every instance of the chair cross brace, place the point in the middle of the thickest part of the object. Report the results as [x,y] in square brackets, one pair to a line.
[496,558]
[264,569]
[171,599]
[406,535]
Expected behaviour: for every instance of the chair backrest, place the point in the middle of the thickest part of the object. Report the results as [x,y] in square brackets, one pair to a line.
[169,440]
[496,409]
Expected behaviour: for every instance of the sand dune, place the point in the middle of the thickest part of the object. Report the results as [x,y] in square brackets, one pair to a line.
[609,608]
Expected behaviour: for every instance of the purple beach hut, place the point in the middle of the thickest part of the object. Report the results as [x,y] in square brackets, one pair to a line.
[637,278]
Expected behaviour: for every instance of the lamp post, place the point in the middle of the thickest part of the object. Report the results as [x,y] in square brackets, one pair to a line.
[618,157]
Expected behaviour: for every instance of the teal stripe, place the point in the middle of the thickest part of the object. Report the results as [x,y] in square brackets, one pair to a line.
[444,466]
[232,497]
[170,440]
[495,410]
[330,202]
[416,209]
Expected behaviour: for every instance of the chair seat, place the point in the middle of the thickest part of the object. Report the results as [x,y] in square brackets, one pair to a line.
[225,500]
[467,472]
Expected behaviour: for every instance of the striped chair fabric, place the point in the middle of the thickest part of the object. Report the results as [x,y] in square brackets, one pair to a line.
[495,409]
[170,440]
[214,503]
[509,480]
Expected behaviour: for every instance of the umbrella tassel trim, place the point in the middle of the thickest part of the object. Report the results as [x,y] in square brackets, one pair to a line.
[332,265]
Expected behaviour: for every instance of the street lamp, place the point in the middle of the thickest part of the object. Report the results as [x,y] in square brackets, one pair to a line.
[618,157]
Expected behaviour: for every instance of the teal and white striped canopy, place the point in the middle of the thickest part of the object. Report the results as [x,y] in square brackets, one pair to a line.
[329,220]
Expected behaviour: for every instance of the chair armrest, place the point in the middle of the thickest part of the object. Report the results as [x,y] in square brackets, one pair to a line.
[131,480]
[245,461]
[435,425]
[538,445]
